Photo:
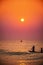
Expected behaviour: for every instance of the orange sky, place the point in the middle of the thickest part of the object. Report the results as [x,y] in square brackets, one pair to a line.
[13,10]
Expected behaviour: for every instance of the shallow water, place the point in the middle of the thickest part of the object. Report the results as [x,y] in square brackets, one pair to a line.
[12,61]
[25,59]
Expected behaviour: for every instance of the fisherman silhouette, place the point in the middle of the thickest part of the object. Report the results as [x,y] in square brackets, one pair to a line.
[41,50]
[33,49]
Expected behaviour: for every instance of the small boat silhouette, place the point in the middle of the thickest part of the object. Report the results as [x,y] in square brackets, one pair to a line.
[21,41]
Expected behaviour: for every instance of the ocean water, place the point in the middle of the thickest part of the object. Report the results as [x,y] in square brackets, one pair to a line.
[23,59]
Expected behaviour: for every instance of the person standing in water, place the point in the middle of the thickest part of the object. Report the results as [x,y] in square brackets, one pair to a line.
[33,49]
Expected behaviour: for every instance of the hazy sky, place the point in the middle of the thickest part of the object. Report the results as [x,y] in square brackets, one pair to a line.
[12,11]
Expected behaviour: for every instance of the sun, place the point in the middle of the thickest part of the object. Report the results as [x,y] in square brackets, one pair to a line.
[22,19]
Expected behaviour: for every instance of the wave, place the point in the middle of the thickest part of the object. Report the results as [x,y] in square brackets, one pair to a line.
[23,55]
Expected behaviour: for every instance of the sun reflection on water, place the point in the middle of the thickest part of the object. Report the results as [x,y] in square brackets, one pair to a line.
[22,64]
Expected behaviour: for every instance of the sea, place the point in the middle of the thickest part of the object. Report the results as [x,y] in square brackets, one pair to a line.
[11,47]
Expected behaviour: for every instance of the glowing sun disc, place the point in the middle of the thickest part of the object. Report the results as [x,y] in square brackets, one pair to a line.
[22,19]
